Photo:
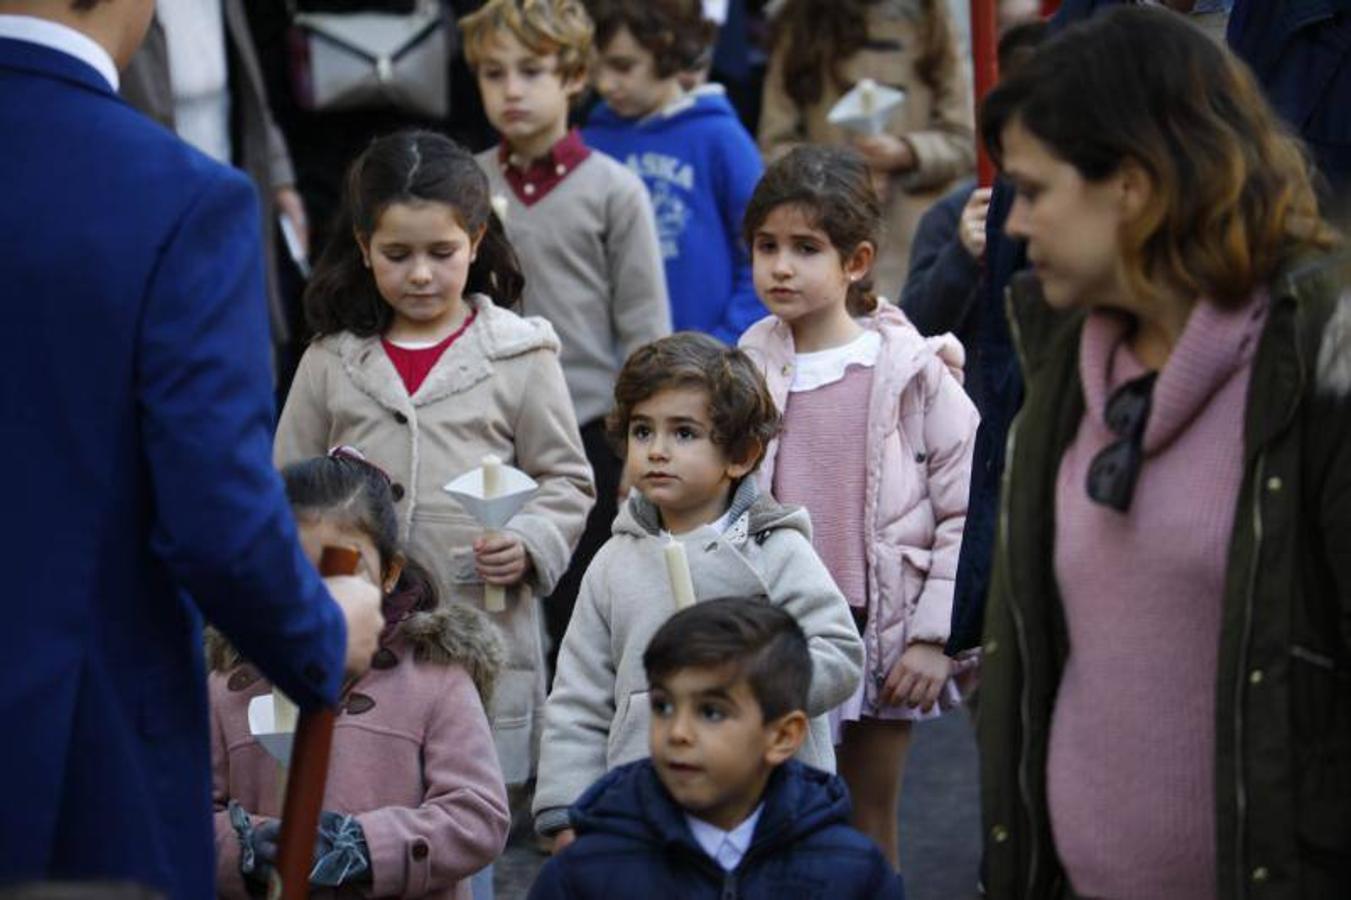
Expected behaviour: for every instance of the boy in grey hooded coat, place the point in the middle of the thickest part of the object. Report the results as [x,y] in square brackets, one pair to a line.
[597,716]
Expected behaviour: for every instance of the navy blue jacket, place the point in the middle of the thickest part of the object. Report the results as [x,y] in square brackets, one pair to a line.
[943,283]
[632,841]
[1300,51]
[135,434]
[997,384]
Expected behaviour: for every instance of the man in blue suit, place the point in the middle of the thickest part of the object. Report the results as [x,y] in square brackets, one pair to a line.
[135,432]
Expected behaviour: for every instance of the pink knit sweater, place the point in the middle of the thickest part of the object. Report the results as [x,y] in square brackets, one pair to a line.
[821,434]
[1131,757]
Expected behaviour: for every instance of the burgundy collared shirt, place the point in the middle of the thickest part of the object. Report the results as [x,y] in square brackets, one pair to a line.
[531,181]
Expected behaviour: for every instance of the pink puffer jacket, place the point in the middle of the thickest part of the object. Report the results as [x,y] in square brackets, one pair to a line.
[921,431]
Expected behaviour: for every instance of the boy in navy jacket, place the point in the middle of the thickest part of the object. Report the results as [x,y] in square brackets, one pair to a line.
[721,810]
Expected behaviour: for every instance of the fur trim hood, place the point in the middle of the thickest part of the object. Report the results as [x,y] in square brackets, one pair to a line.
[452,634]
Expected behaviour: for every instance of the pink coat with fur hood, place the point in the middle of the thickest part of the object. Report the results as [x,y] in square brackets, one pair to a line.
[919,440]
[413,758]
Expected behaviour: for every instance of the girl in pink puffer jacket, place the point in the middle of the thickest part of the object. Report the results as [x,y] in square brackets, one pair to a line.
[876,444]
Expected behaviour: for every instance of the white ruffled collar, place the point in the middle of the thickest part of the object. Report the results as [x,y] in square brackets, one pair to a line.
[823,367]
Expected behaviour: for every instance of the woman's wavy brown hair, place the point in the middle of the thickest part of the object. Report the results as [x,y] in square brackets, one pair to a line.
[1233,195]
[821,34]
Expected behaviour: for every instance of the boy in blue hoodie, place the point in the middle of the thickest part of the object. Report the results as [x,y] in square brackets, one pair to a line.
[692,152]
[721,809]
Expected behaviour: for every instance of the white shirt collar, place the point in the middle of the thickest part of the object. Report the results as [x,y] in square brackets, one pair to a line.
[63,38]
[726,847]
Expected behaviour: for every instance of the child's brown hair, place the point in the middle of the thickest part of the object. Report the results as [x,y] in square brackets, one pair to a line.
[740,408]
[833,188]
[675,32]
[559,27]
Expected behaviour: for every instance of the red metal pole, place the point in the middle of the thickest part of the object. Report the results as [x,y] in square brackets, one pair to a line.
[1048,8]
[985,66]
[309,772]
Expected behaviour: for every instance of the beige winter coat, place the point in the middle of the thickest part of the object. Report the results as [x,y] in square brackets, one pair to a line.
[935,119]
[499,389]
[597,716]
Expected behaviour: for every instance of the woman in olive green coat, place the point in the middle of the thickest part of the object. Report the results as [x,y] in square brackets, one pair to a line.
[1166,704]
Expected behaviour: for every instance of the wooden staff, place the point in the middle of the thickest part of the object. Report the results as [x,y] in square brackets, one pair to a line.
[985,67]
[309,771]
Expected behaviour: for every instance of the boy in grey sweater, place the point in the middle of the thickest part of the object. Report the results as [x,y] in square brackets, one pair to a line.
[581,224]
[694,418]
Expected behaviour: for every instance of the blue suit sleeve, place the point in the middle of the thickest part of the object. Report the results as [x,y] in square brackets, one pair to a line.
[222,523]
[739,170]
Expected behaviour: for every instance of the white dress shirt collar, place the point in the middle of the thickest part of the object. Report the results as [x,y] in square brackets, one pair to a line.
[726,847]
[63,38]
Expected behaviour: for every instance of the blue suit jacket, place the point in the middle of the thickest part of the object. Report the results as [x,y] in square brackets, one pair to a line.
[135,437]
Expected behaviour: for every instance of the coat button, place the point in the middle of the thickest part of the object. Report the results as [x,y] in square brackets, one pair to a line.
[991,646]
[400,418]
[1274,484]
[1260,875]
[358,703]
[243,677]
[1255,676]
[396,490]
[419,850]
[999,834]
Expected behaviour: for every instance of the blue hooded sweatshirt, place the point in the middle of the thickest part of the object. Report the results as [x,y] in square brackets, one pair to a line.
[633,841]
[700,167]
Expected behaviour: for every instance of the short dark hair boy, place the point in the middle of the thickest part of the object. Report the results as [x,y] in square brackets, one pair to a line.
[721,801]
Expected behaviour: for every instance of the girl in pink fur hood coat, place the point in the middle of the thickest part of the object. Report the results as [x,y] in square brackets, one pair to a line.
[413,761]
[876,443]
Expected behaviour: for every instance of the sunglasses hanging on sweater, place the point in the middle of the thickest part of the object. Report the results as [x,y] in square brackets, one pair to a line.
[1114,470]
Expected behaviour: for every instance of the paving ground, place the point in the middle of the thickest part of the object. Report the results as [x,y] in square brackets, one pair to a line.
[940,820]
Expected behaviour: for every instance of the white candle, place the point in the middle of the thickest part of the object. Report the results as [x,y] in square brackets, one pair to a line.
[867,95]
[284,716]
[678,570]
[494,595]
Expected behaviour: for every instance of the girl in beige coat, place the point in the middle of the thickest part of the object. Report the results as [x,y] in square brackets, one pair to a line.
[421,371]
[822,48]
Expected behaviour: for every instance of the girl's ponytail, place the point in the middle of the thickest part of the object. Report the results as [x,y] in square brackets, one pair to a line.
[496,271]
[342,295]
[415,589]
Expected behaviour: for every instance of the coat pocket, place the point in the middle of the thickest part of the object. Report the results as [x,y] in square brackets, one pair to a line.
[1321,720]
[628,740]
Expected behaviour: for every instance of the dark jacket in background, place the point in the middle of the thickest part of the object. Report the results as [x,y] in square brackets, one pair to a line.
[1300,51]
[993,378]
[259,148]
[1283,710]
[941,287]
[633,841]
